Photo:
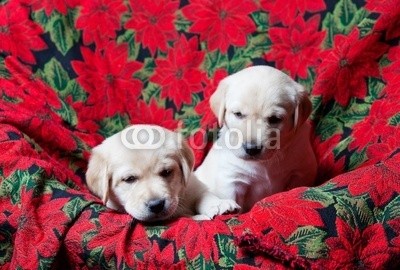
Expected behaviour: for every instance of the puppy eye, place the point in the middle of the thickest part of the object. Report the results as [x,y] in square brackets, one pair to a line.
[239,115]
[274,120]
[130,179]
[166,173]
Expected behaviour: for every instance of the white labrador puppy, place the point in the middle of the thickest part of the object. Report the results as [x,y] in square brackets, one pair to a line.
[264,144]
[146,171]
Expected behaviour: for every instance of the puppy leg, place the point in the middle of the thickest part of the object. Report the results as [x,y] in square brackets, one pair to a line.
[204,203]
[234,190]
[210,205]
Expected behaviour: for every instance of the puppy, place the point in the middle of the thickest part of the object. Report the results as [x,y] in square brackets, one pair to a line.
[264,145]
[146,171]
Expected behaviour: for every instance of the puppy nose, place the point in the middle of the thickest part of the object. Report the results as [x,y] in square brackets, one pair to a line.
[252,149]
[156,206]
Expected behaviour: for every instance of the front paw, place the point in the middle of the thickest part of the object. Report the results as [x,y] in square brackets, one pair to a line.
[216,206]
[201,217]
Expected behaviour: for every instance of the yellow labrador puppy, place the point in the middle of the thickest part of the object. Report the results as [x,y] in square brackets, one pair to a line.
[146,171]
[264,144]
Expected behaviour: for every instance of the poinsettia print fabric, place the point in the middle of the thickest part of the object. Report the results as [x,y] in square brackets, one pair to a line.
[75,72]
[153,23]
[221,23]
[20,36]
[297,47]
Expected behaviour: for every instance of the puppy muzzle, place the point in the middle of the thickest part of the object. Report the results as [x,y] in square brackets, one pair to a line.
[156,206]
[252,150]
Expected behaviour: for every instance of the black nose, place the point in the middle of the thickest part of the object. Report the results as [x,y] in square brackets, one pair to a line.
[156,206]
[252,149]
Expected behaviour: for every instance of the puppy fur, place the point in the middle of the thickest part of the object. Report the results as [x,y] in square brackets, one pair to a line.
[263,145]
[151,184]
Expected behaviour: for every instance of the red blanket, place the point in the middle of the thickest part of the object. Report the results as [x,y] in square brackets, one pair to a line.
[74,72]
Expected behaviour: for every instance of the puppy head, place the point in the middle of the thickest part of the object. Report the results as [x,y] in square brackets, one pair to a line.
[144,178]
[259,108]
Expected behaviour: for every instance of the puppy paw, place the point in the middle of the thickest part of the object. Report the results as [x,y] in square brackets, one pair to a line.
[218,207]
[201,217]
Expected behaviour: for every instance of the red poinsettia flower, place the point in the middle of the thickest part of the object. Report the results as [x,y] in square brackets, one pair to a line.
[153,23]
[381,190]
[343,70]
[196,238]
[159,258]
[16,153]
[45,126]
[389,19]
[34,95]
[284,11]
[155,115]
[82,225]
[208,119]
[18,34]
[107,77]
[111,236]
[9,89]
[353,248]
[375,127]
[86,129]
[393,163]
[385,147]
[99,19]
[391,74]
[302,212]
[50,5]
[32,86]
[296,47]
[179,74]
[221,23]
[39,225]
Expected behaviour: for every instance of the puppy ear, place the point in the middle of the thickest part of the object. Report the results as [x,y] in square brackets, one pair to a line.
[303,108]
[187,161]
[217,101]
[97,177]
